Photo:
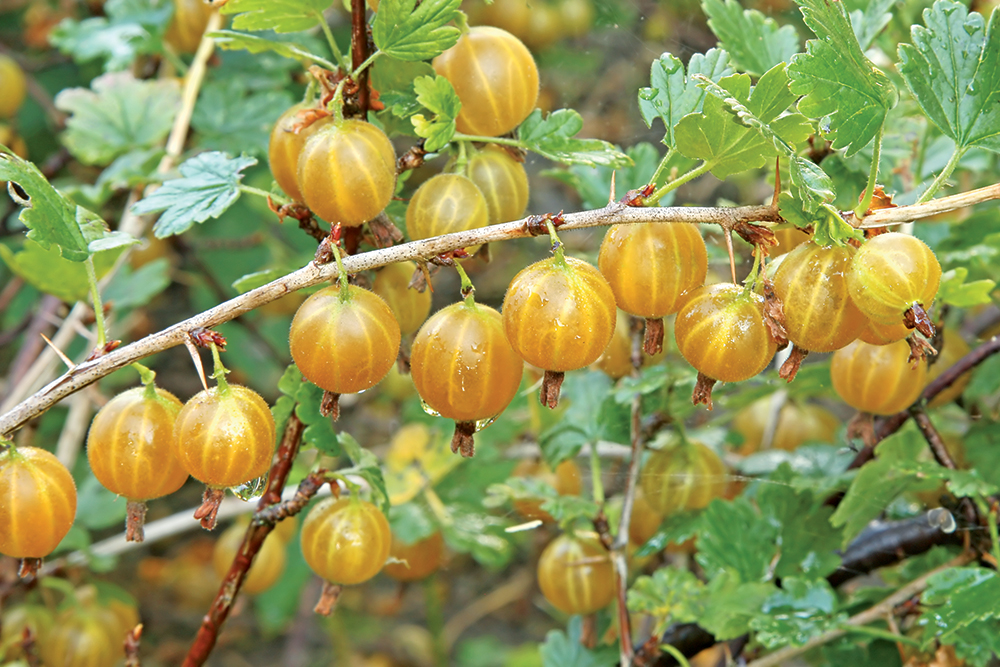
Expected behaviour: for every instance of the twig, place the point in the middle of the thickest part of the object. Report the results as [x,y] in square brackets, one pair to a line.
[512,590]
[874,613]
[933,438]
[359,52]
[886,426]
[207,635]
[894,216]
[311,274]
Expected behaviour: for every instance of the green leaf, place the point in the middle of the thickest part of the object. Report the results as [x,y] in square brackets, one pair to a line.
[669,593]
[438,96]
[230,39]
[837,80]
[957,598]
[131,289]
[563,649]
[953,70]
[553,137]
[977,642]
[319,431]
[230,118]
[802,610]
[567,509]
[366,466]
[209,186]
[673,94]
[480,535]
[129,28]
[394,78]
[879,482]
[594,183]
[276,15]
[97,507]
[677,528]
[733,537]
[755,42]
[412,522]
[408,34]
[731,605]
[740,129]
[956,292]
[867,23]
[592,415]
[51,273]
[117,115]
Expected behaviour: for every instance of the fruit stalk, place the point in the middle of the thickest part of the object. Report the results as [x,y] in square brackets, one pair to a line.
[211,624]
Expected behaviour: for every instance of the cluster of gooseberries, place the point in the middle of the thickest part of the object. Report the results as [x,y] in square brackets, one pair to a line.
[537,24]
[88,629]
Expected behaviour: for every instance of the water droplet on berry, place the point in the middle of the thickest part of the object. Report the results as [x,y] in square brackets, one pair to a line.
[428,409]
[250,490]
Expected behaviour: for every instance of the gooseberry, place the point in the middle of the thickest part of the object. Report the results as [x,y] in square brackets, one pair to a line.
[346,540]
[188,25]
[409,306]
[288,136]
[576,575]
[682,476]
[268,565]
[13,88]
[877,378]
[37,502]
[894,274]
[503,182]
[795,424]
[131,452]
[422,558]
[559,315]
[650,268]
[347,172]
[495,77]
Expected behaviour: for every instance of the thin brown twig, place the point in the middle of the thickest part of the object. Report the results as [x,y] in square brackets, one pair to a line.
[212,623]
[359,51]
[311,274]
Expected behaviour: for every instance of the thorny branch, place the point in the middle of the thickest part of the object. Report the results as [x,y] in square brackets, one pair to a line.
[615,213]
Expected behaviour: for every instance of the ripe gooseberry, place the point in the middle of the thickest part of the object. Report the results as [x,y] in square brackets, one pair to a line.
[577,17]
[788,240]
[80,640]
[188,25]
[346,540]
[130,448]
[877,378]
[13,88]
[576,575]
[37,504]
[559,315]
[645,521]
[495,78]
[268,565]
[289,135]
[344,339]
[721,332]
[409,306]
[444,204]
[796,423]
[224,437]
[422,558]
[347,172]
[502,180]
[812,285]
[893,278]
[565,479]
[649,267]
[883,334]
[464,368]
[682,476]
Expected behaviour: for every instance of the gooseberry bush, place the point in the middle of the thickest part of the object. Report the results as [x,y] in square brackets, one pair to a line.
[500,333]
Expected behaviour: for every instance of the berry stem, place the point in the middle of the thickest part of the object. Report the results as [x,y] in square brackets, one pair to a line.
[280,200]
[219,371]
[595,475]
[505,141]
[945,174]
[655,198]
[95,298]
[866,201]
[345,286]
[338,56]
[557,246]
[468,289]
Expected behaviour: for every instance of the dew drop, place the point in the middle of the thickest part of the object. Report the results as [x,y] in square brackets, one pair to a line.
[428,409]
[483,423]
[250,490]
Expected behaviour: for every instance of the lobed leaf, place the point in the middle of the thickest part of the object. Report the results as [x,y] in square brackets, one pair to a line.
[129,28]
[837,80]
[953,70]
[957,598]
[868,22]
[119,114]
[669,592]
[230,39]
[406,33]
[230,118]
[276,15]
[672,93]
[438,96]
[209,186]
[755,43]
[594,183]
[802,610]
[554,137]
[954,290]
